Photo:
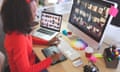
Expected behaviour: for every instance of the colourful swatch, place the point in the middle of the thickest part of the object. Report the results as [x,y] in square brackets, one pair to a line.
[79,44]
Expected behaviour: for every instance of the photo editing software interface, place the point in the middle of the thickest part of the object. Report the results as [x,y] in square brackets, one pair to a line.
[51,21]
[90,17]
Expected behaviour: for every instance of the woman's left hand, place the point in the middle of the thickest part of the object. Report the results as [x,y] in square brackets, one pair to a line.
[54,41]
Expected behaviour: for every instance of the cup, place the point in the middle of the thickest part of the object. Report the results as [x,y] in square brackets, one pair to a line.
[88,52]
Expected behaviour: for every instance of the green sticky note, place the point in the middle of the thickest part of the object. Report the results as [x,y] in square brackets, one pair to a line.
[98,55]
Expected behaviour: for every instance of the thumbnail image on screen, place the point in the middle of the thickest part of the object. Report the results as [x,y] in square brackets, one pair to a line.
[90,16]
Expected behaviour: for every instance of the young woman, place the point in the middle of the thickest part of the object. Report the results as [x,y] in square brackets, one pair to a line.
[17,18]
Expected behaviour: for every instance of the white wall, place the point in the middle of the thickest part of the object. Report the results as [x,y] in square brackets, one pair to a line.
[112,35]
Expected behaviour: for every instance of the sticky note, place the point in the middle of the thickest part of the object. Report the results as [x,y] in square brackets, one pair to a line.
[98,55]
[93,59]
[113,11]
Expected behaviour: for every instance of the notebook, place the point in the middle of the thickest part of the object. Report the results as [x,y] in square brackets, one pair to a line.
[52,50]
[50,25]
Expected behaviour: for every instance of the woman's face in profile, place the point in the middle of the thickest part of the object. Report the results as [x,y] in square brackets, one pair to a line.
[33,6]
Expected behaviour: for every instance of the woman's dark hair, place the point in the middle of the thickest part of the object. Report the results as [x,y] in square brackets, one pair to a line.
[16,16]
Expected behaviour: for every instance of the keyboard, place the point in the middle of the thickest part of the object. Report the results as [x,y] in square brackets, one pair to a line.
[67,50]
[45,31]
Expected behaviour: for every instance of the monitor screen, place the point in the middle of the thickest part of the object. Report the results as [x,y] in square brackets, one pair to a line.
[90,17]
[51,20]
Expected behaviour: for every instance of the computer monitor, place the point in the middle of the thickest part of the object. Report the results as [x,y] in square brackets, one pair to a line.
[88,20]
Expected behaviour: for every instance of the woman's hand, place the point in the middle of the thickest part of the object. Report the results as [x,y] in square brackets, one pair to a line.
[55,57]
[54,41]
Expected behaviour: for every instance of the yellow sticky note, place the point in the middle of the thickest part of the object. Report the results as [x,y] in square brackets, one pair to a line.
[98,55]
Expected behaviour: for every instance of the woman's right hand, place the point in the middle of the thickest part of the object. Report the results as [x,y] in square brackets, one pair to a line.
[55,56]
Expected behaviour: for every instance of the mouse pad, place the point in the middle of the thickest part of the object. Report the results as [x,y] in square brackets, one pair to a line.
[51,50]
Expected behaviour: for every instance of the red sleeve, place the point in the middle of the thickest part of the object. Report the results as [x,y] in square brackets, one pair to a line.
[40,41]
[21,57]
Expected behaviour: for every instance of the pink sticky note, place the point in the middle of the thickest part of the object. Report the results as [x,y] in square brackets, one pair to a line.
[113,11]
[93,59]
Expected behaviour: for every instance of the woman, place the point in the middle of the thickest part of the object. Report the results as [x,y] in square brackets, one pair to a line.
[17,18]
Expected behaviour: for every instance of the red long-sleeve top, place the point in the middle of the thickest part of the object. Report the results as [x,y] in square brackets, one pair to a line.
[20,56]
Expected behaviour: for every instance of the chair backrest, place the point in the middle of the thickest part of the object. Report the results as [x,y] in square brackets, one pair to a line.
[2,59]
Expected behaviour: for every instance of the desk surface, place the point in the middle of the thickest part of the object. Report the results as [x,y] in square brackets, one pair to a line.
[67,66]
